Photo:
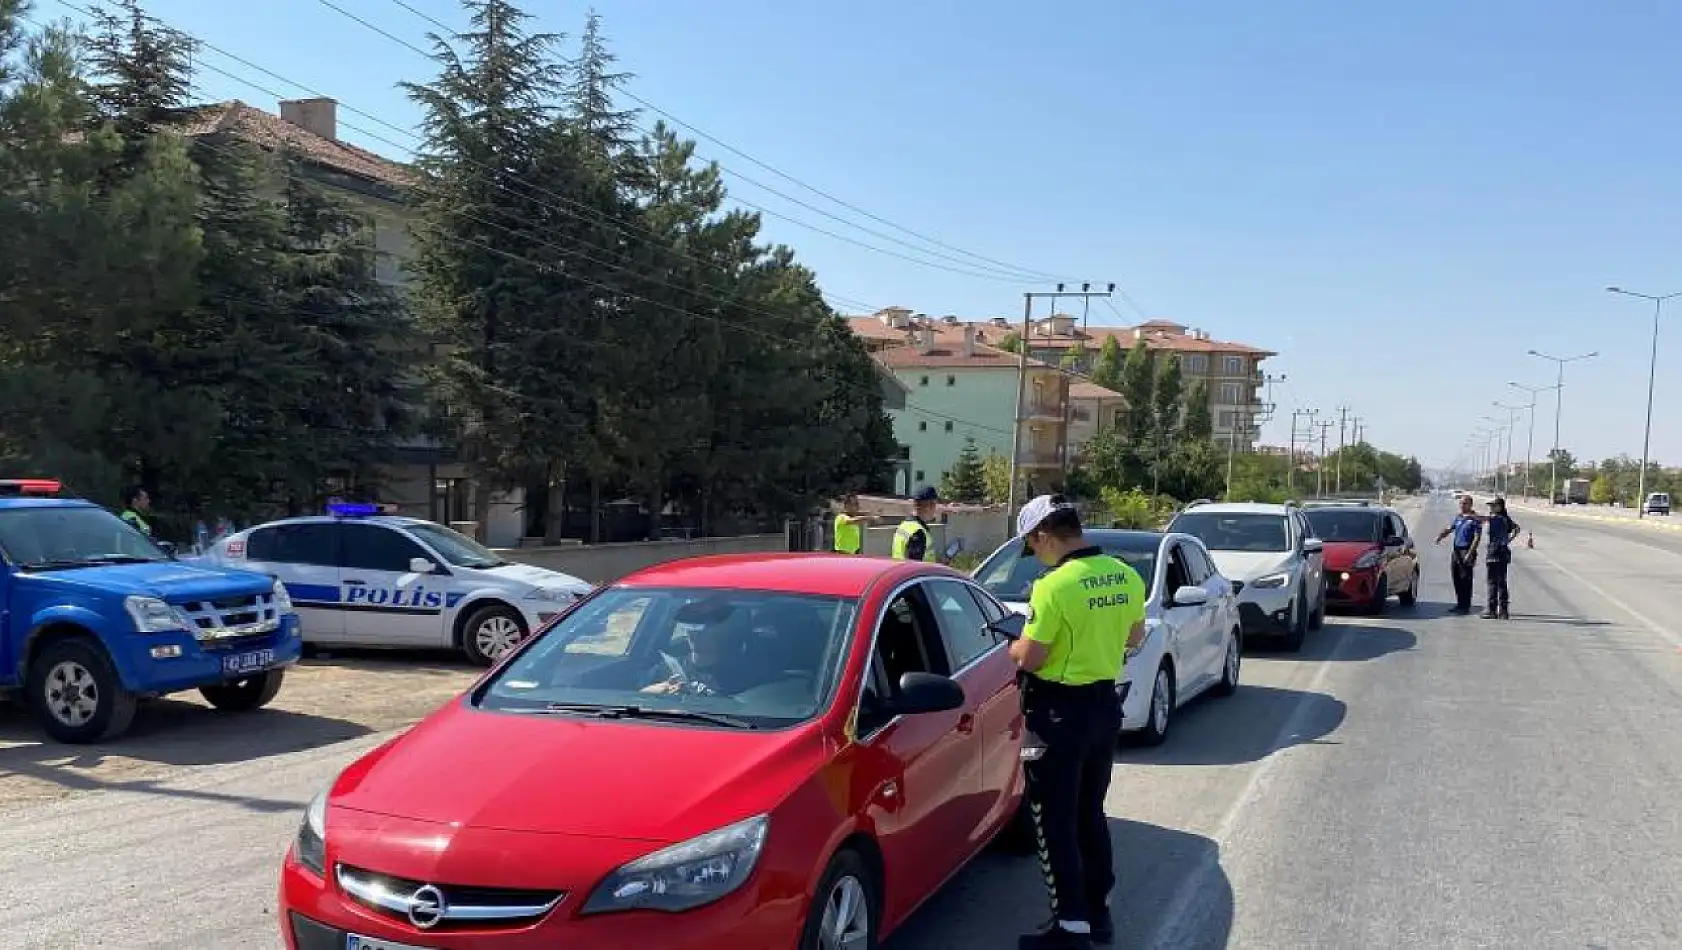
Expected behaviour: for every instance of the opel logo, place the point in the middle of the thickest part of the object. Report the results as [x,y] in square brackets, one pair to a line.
[427,907]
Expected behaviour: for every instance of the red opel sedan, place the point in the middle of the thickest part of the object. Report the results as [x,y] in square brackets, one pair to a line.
[725,753]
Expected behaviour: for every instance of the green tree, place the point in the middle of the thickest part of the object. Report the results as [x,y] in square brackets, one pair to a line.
[1107,366]
[1138,384]
[1073,358]
[1601,491]
[966,480]
[1198,424]
[995,475]
[1167,402]
[1011,342]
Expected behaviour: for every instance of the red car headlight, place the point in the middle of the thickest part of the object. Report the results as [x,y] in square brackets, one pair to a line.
[686,875]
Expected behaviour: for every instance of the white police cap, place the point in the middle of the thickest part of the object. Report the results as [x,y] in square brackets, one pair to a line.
[1037,510]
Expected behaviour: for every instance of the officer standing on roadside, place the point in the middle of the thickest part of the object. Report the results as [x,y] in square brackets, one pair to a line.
[911,538]
[1502,530]
[1466,528]
[135,501]
[1083,615]
[849,531]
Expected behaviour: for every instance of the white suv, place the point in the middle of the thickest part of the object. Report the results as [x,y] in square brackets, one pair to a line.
[1272,552]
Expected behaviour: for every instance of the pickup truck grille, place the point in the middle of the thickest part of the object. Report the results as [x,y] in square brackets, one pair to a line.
[230,618]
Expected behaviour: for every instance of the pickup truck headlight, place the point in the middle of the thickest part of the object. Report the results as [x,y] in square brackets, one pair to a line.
[1270,581]
[685,875]
[1368,560]
[311,844]
[280,598]
[151,615]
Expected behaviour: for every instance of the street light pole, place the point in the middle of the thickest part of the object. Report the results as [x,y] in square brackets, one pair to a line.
[1512,430]
[1559,409]
[1530,444]
[1652,371]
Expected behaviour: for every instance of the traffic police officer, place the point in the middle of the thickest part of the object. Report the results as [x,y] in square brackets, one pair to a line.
[136,500]
[1083,615]
[849,535]
[911,538]
[1502,530]
[1466,528]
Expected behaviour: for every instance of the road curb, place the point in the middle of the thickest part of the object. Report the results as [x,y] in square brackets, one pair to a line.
[1610,519]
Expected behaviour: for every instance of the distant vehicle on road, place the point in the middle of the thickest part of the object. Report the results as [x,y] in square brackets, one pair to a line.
[96,617]
[1193,641]
[719,753]
[361,578]
[1573,491]
[1369,556]
[1271,550]
[1657,503]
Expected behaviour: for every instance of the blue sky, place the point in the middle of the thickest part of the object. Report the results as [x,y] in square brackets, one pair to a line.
[1399,198]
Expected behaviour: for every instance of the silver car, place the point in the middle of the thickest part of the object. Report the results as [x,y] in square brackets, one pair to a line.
[1271,550]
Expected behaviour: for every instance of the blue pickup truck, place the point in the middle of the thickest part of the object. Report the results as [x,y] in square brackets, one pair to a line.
[95,617]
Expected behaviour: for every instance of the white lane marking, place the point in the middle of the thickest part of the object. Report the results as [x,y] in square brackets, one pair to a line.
[1176,927]
[1669,637]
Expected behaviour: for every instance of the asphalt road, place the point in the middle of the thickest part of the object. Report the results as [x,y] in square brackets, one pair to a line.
[1415,780]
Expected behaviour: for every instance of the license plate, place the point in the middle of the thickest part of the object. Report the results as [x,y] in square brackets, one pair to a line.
[358,942]
[241,663]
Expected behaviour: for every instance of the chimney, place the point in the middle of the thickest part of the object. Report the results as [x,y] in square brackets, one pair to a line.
[320,116]
[969,341]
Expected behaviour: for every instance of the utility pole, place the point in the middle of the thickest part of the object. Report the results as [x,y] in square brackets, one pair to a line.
[1247,419]
[1320,463]
[1306,435]
[1559,410]
[1342,426]
[1087,293]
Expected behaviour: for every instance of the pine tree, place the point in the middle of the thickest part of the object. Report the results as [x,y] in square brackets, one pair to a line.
[1197,425]
[1168,403]
[1138,381]
[966,480]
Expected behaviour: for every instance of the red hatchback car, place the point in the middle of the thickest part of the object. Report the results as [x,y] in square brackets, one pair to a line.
[725,753]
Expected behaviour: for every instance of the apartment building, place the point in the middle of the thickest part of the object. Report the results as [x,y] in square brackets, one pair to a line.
[958,387]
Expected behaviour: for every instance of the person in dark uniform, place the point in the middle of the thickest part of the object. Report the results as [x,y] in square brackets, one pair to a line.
[1502,530]
[1083,615]
[1466,528]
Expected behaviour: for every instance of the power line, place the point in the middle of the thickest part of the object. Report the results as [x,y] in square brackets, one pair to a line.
[1025,273]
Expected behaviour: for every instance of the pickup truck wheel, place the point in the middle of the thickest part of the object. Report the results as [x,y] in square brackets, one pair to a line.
[490,632]
[253,692]
[76,693]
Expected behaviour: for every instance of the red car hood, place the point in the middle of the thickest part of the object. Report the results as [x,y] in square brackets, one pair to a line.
[1342,555]
[564,775]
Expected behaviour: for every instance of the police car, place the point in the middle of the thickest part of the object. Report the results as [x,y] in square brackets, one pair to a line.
[361,578]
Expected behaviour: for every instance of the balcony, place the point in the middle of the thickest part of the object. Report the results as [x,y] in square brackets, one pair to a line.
[1042,409]
[1041,457]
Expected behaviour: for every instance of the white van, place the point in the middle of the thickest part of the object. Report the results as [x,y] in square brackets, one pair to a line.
[1657,503]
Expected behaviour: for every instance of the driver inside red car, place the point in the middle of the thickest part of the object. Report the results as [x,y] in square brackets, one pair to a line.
[717,660]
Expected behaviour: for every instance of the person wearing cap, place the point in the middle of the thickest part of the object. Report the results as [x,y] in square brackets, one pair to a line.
[849,531]
[911,538]
[1083,616]
[1466,528]
[1502,530]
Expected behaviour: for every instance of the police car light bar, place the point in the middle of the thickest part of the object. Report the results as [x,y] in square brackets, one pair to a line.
[352,509]
[30,486]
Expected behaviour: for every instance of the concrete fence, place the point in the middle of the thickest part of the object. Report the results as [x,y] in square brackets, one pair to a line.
[605,563]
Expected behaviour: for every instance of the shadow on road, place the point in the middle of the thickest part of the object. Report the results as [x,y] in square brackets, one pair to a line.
[167,733]
[998,896]
[1343,642]
[1245,727]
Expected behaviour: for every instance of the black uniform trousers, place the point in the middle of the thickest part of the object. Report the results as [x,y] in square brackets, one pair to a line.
[1462,566]
[1496,561]
[1066,787]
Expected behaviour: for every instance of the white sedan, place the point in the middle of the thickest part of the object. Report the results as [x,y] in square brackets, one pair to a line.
[1193,640]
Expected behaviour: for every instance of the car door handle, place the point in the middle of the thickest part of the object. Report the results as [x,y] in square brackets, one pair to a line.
[966,724]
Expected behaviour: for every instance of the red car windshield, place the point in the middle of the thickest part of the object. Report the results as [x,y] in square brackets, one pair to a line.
[729,658]
[1336,525]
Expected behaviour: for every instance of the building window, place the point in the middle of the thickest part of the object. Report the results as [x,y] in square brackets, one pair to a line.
[1115,418]
[1235,365]
[1225,420]
[924,382]
[1197,364]
[919,477]
[923,426]
[951,380]
[1229,393]
[948,427]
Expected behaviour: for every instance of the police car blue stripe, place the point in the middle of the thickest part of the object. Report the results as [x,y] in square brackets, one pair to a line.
[314,593]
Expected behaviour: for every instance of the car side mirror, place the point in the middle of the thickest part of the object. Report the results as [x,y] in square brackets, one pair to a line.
[1010,626]
[925,693]
[1313,546]
[1189,596]
[1392,542]
[420,565]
